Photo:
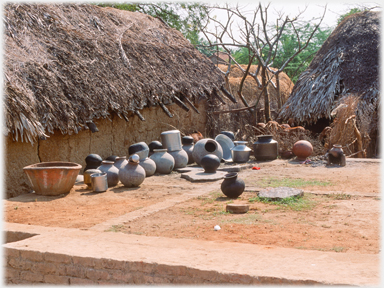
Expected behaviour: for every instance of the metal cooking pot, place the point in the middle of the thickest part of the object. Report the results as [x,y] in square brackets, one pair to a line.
[171,140]
[99,182]
[240,153]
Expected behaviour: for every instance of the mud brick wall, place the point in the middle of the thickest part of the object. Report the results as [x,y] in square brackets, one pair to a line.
[31,267]
[114,138]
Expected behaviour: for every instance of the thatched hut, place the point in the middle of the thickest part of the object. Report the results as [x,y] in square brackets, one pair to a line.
[344,73]
[71,70]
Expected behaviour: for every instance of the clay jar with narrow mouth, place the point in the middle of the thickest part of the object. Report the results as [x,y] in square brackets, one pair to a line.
[210,163]
[232,186]
[204,147]
[112,172]
[180,157]
[302,149]
[154,145]
[132,174]
[188,145]
[120,162]
[163,160]
[149,166]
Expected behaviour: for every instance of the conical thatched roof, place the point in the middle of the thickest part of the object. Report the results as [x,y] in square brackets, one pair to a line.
[347,64]
[68,64]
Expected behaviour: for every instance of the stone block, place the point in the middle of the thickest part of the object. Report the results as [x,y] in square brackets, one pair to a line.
[57,258]
[11,273]
[96,274]
[75,271]
[56,279]
[31,255]
[10,252]
[84,261]
[19,263]
[31,277]
[81,281]
[44,268]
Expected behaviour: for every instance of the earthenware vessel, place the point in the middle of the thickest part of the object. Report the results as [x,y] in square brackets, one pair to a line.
[232,186]
[163,160]
[204,147]
[229,134]
[111,158]
[226,144]
[154,145]
[132,174]
[171,140]
[99,182]
[265,148]
[120,162]
[112,172]
[302,149]
[181,158]
[140,149]
[52,178]
[188,145]
[149,166]
[210,163]
[240,153]
[92,161]
[87,176]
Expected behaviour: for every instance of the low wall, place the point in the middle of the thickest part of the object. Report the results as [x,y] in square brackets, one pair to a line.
[114,138]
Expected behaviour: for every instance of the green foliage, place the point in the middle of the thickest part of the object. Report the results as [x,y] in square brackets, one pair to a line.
[293,203]
[290,182]
[185,17]
[352,11]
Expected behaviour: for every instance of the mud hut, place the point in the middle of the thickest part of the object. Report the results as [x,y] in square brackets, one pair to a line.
[344,74]
[73,70]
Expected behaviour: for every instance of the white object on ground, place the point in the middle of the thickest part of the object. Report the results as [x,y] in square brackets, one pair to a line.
[216,228]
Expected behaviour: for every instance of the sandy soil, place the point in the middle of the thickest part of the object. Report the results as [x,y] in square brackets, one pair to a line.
[340,212]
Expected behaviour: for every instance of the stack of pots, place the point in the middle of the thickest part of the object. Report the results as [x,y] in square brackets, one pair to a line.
[142,150]
[204,147]
[171,140]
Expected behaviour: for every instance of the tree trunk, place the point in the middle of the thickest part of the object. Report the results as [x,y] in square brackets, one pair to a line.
[264,83]
[279,102]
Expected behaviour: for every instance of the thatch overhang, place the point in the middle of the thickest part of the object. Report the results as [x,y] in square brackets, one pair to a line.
[66,65]
[346,65]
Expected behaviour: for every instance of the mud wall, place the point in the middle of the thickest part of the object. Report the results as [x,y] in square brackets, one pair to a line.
[114,138]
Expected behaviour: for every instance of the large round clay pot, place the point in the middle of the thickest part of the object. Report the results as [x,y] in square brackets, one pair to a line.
[232,186]
[229,134]
[204,147]
[302,149]
[154,145]
[140,149]
[181,158]
[132,174]
[164,161]
[112,172]
[120,162]
[240,153]
[92,161]
[149,166]
[265,148]
[188,145]
[210,163]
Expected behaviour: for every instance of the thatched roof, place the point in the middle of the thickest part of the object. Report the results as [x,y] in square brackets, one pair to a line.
[347,64]
[66,65]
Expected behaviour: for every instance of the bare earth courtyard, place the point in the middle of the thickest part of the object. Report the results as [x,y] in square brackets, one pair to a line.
[339,212]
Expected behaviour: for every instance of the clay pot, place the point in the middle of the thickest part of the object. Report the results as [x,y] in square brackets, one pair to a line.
[232,186]
[188,147]
[229,134]
[154,145]
[163,160]
[132,174]
[240,153]
[112,172]
[92,161]
[149,166]
[140,149]
[210,163]
[181,158]
[87,177]
[302,149]
[120,162]
[204,147]
[111,158]
[265,148]
[336,150]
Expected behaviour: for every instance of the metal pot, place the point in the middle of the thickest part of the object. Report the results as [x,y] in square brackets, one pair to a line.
[265,148]
[240,153]
[87,176]
[171,140]
[99,182]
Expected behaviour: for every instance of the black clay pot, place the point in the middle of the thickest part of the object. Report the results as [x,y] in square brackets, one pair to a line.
[210,163]
[155,145]
[229,134]
[187,140]
[265,148]
[111,158]
[232,186]
[92,161]
[137,147]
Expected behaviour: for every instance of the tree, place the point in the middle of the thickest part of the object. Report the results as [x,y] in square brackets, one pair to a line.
[262,41]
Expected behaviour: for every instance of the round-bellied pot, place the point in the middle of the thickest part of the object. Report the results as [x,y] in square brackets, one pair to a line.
[112,172]
[140,149]
[240,153]
[210,163]
[132,174]
[149,166]
[181,158]
[265,148]
[204,147]
[120,162]
[111,158]
[163,160]
[92,161]
[171,140]
[232,186]
[87,177]
[154,145]
[228,134]
[52,178]
[188,145]
[302,149]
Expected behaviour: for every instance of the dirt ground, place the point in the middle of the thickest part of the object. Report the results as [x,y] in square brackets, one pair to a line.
[339,212]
